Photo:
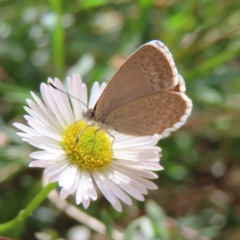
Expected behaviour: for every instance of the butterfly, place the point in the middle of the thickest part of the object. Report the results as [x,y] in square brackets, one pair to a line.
[146,96]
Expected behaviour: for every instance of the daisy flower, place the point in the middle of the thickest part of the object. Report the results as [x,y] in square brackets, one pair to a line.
[118,167]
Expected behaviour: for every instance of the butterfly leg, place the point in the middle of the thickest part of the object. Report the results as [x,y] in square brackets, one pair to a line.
[94,139]
[85,127]
[113,139]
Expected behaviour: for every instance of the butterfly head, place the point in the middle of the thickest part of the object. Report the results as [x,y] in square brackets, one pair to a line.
[89,114]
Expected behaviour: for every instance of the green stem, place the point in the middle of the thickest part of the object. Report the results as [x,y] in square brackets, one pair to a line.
[58,38]
[23,214]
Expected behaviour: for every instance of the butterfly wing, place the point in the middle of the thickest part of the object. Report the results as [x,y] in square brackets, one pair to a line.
[149,70]
[159,113]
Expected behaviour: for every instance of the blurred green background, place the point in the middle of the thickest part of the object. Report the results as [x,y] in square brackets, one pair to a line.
[199,188]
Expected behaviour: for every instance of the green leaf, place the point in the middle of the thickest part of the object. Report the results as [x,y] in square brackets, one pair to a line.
[130,230]
[107,219]
[215,80]
[58,38]
[24,213]
[208,95]
[159,220]
[13,93]
[177,172]
[211,63]
[146,227]
[145,4]
[85,4]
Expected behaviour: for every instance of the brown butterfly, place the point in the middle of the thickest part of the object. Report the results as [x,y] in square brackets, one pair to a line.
[145,96]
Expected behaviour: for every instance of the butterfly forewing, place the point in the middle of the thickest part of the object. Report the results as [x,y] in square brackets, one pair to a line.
[158,113]
[149,70]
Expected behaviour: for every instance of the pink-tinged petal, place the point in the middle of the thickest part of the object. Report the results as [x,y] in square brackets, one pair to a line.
[117,205]
[86,202]
[33,117]
[129,186]
[46,112]
[131,166]
[49,99]
[42,131]
[131,180]
[149,166]
[54,177]
[107,193]
[64,193]
[39,117]
[103,176]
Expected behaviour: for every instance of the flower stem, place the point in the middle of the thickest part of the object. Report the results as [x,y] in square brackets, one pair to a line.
[23,214]
[58,38]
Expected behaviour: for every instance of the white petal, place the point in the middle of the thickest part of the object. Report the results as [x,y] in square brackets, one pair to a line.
[123,140]
[87,181]
[40,118]
[114,188]
[44,131]
[55,177]
[26,129]
[63,102]
[128,185]
[139,154]
[86,202]
[46,112]
[53,149]
[41,163]
[149,166]
[47,141]
[79,91]
[79,188]
[107,193]
[37,119]
[68,176]
[139,183]
[58,167]
[64,193]
[49,99]
[73,188]
[43,155]
[94,95]
[23,135]
[132,168]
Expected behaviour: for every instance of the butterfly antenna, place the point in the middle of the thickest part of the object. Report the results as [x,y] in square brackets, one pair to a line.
[69,95]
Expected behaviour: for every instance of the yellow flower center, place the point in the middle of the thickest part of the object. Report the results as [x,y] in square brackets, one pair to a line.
[92,150]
